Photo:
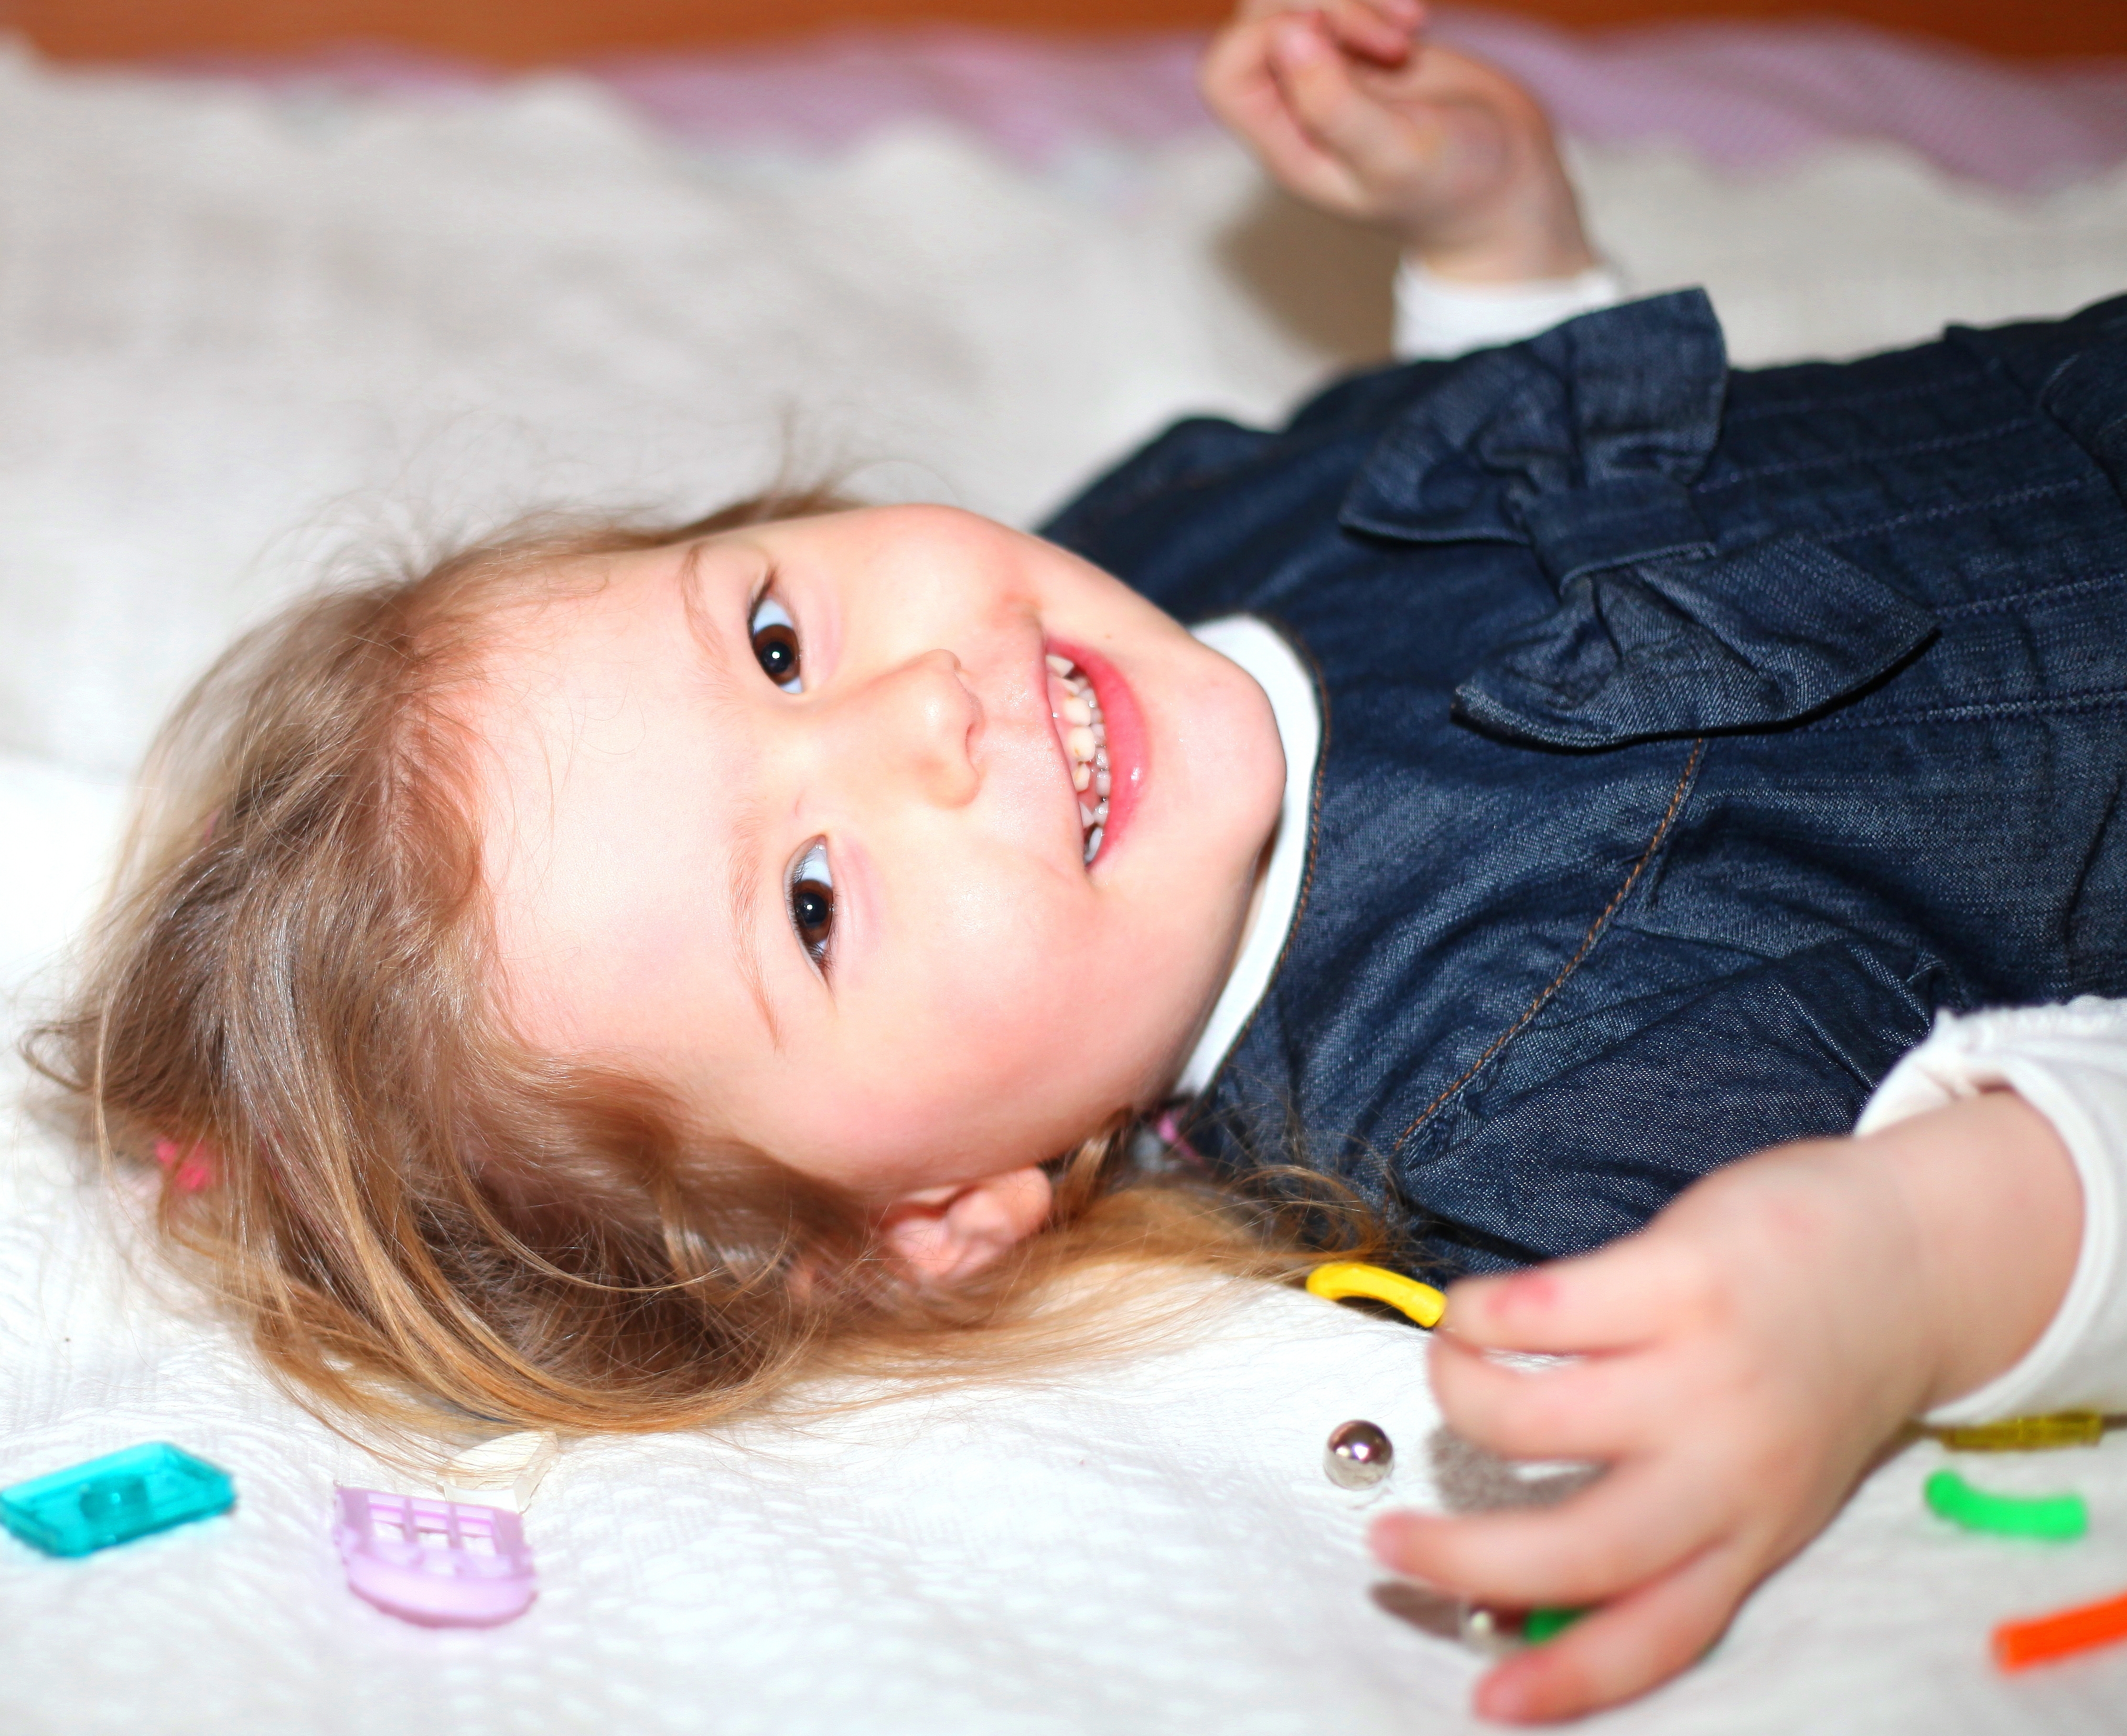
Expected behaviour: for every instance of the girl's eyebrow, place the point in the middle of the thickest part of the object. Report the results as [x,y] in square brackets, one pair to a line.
[701,621]
[744,908]
[743,899]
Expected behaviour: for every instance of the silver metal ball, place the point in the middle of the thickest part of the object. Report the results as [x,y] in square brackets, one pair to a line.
[1358,1455]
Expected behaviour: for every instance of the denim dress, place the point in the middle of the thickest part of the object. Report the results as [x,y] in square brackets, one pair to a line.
[1692,737]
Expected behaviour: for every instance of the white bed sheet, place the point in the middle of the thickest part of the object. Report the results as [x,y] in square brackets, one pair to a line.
[228,325]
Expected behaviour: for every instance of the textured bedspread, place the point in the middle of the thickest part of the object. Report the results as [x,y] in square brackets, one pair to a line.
[237,332]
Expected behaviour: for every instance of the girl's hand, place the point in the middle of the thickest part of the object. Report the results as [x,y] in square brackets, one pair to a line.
[1347,109]
[1741,1362]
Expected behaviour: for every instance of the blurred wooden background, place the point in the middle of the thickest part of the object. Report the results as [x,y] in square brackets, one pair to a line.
[523,32]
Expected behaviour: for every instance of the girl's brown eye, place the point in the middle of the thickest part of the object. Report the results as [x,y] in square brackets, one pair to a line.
[813,910]
[813,904]
[775,644]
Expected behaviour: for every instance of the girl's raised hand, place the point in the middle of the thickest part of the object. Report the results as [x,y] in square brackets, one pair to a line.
[1347,108]
[1740,1363]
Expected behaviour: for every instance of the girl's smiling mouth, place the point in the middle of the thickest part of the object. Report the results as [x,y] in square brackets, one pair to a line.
[1101,733]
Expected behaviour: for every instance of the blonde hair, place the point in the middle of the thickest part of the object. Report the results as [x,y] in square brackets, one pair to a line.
[405,1204]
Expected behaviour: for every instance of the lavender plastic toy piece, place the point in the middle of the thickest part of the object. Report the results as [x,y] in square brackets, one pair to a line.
[441,1563]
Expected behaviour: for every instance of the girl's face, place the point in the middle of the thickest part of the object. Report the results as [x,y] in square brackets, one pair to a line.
[786,818]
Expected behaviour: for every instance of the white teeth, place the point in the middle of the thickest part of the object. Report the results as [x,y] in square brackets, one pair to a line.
[1085,734]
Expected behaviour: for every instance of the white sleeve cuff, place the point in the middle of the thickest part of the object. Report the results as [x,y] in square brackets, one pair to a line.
[2070,1064]
[1439,317]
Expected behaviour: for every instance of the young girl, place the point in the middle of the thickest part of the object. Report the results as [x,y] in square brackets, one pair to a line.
[603,979]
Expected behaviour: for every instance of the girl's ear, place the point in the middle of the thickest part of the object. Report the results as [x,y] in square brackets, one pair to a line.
[944,1235]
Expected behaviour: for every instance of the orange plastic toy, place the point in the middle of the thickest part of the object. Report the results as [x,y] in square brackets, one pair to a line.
[2020,1644]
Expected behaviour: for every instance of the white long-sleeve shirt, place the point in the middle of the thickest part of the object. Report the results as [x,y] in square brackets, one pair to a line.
[1438,316]
[2069,1063]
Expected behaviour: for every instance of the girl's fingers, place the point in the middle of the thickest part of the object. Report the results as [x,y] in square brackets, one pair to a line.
[1240,86]
[1405,18]
[1382,31]
[1233,77]
[1638,1521]
[1626,1647]
[1372,29]
[1634,1291]
[1343,121]
[1601,1409]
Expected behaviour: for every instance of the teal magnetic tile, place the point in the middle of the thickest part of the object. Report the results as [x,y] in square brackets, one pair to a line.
[115,1499]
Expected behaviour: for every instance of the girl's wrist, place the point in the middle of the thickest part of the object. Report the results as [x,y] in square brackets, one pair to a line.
[1532,234]
[1516,256]
[1962,1174]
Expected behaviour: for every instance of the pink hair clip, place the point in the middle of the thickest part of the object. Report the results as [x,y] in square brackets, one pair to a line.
[439,1563]
[1167,1131]
[190,1170]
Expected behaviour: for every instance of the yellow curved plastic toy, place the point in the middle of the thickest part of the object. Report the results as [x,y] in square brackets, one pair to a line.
[1344,1278]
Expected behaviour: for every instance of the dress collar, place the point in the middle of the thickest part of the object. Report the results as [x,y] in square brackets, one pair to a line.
[1261,651]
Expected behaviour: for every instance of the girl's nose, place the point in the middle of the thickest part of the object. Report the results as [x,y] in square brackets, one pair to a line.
[920,722]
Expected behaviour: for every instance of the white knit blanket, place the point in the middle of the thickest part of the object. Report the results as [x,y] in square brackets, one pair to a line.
[236,335]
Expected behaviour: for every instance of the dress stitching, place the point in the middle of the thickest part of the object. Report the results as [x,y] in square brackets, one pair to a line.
[1979,711]
[1942,443]
[1588,941]
[2028,598]
[1926,515]
[1886,394]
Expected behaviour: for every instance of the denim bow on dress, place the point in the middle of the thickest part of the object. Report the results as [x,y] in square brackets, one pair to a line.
[1585,445]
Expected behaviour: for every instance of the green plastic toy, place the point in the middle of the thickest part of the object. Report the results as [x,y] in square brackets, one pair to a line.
[1547,1623]
[2049,1518]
